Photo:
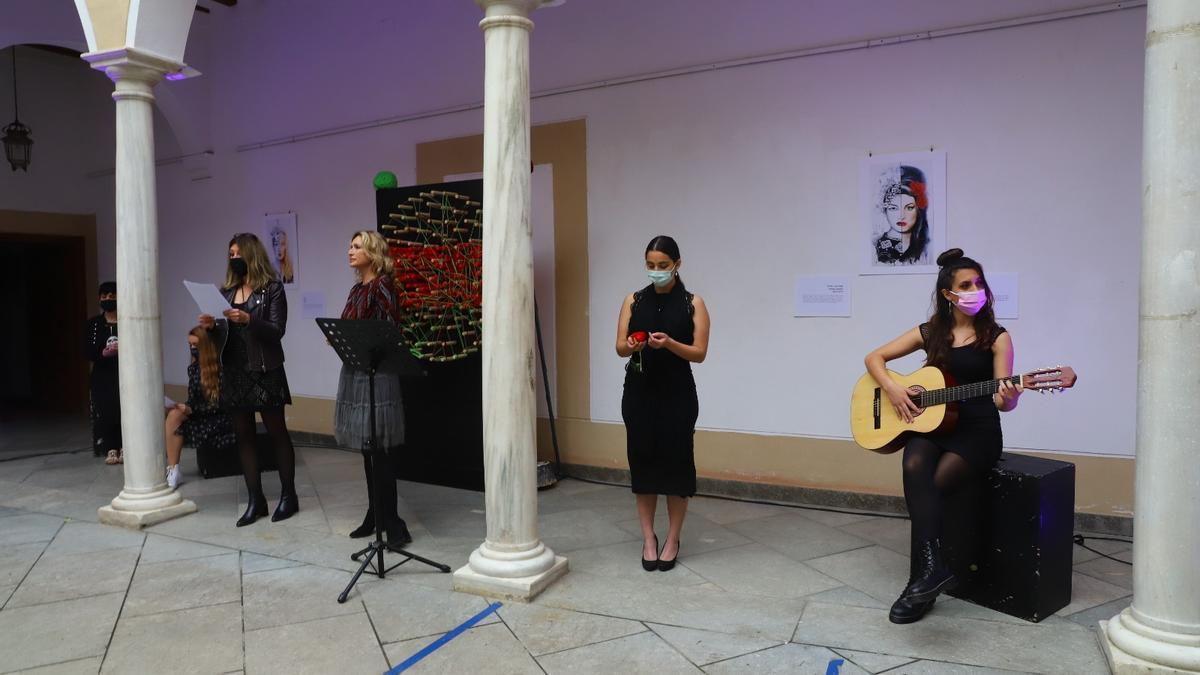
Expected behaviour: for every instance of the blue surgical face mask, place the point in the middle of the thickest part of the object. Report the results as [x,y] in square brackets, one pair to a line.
[660,278]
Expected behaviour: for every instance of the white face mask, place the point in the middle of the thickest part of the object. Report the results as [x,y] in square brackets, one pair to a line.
[660,278]
[970,302]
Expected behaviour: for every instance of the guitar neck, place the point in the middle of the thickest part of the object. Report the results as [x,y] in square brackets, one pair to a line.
[962,392]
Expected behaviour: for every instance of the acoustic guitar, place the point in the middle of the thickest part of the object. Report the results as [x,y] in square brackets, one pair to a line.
[877,427]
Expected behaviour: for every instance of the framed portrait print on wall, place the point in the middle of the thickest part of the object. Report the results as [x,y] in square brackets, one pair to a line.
[902,203]
[280,239]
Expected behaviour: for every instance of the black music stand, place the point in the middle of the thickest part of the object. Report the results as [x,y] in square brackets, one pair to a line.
[363,345]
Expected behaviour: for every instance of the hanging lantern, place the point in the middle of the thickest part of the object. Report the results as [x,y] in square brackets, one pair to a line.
[18,146]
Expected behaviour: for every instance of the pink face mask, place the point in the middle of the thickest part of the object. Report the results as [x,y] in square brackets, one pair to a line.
[970,302]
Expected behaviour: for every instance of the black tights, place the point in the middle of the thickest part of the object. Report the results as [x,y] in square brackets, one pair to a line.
[387,484]
[930,474]
[285,454]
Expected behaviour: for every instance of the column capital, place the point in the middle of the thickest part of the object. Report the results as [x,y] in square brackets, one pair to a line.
[130,63]
[521,8]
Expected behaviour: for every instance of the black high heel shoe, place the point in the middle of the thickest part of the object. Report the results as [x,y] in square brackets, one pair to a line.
[650,565]
[366,529]
[257,508]
[397,533]
[288,506]
[668,565]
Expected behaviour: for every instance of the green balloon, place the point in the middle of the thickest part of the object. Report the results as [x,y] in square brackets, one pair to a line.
[384,180]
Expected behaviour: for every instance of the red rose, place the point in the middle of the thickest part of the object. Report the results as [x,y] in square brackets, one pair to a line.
[639,336]
[918,193]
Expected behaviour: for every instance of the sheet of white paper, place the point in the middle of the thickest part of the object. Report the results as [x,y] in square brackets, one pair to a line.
[1005,294]
[314,304]
[822,296]
[208,298]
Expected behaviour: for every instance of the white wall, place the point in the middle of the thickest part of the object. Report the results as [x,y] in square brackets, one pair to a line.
[755,170]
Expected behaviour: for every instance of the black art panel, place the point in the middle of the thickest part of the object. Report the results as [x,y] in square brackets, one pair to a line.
[435,233]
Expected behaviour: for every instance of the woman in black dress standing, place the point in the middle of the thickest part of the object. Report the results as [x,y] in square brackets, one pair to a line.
[100,347]
[373,297]
[252,371]
[962,338]
[659,405]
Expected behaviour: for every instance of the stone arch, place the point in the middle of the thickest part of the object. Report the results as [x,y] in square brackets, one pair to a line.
[168,104]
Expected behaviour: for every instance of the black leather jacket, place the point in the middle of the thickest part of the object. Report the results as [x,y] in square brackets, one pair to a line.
[268,320]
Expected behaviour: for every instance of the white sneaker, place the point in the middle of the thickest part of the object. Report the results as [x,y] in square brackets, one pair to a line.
[173,476]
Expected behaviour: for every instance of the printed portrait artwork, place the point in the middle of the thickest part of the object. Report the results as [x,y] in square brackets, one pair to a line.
[903,199]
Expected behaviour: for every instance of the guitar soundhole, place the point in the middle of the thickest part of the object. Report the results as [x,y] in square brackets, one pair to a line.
[916,399]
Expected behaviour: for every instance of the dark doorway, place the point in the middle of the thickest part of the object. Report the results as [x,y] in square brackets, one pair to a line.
[42,368]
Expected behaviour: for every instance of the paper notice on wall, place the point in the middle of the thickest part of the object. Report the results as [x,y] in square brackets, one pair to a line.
[313,303]
[1004,294]
[822,296]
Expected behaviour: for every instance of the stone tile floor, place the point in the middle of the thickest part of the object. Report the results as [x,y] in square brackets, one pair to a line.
[759,588]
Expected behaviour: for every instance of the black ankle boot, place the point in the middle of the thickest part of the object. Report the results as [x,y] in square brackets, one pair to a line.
[397,532]
[933,575]
[905,610]
[257,508]
[287,507]
[366,529]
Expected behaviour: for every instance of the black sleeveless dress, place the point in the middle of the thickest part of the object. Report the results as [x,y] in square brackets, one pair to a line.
[659,405]
[244,389]
[976,437]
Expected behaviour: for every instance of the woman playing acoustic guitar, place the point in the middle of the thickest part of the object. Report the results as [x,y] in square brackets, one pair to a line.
[963,339]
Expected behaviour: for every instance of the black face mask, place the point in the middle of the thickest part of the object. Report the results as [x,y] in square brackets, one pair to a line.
[238,265]
[108,305]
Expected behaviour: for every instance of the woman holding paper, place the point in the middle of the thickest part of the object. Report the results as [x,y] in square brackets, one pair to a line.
[373,297]
[253,379]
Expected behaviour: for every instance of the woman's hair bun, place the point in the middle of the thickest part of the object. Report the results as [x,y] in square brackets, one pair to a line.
[949,256]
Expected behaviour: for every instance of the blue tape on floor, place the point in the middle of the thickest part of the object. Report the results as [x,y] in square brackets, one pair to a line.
[834,667]
[441,642]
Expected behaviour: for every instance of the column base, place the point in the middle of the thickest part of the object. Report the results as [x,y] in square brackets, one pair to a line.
[1127,645]
[138,511]
[522,589]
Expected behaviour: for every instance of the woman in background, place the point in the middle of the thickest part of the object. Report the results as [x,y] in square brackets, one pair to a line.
[200,422]
[373,297]
[100,347]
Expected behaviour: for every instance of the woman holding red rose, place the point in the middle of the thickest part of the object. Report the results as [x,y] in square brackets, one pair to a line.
[662,329]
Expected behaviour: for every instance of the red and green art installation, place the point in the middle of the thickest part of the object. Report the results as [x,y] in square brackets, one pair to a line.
[436,241]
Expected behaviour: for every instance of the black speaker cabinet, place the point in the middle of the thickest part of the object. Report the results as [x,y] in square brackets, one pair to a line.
[1008,537]
[220,462]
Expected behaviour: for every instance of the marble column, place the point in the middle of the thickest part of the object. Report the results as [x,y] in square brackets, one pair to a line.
[1160,632]
[145,499]
[512,562]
